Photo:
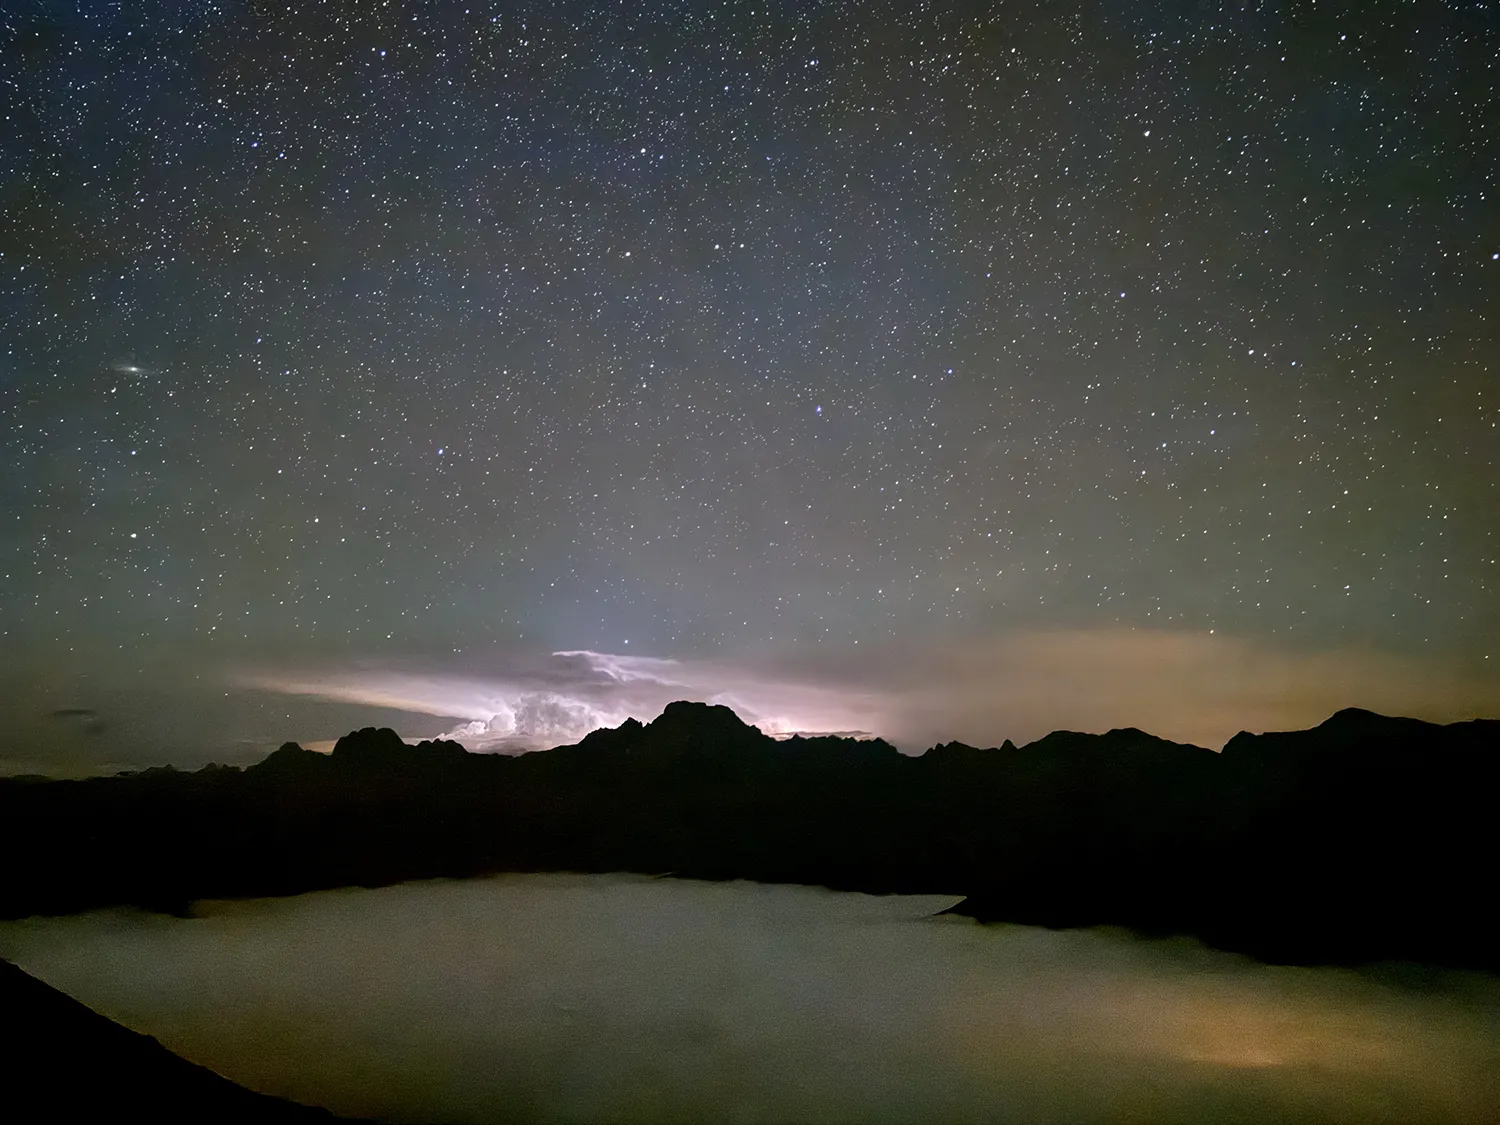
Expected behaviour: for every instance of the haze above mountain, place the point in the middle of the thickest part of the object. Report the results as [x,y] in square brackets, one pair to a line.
[188,709]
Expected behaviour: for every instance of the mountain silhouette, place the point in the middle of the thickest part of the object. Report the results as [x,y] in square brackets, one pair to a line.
[64,1062]
[1363,838]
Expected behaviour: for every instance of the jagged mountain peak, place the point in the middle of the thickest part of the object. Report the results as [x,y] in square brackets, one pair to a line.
[690,719]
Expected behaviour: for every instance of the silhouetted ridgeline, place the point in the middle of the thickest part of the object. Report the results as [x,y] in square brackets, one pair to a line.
[1365,838]
[64,1062]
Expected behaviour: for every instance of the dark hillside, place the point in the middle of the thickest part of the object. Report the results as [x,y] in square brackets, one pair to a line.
[1363,838]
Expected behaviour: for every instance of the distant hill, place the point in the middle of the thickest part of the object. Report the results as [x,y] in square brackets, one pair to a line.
[1364,838]
[63,1062]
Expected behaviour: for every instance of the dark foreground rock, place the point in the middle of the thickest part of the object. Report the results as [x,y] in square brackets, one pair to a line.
[1366,838]
[64,1062]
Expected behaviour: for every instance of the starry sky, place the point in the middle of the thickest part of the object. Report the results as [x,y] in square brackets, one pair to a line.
[1098,359]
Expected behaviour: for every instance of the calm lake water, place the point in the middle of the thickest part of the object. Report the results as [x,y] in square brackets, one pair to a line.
[629,999]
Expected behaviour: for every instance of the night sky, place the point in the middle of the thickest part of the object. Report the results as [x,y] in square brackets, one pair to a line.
[936,370]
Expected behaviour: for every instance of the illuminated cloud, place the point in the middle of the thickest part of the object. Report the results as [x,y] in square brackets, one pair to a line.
[1191,687]
[559,698]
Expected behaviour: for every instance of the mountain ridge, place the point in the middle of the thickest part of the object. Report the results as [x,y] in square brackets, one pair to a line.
[1359,839]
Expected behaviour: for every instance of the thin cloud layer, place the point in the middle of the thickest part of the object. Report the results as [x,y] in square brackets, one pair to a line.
[1191,687]
[561,697]
[627,999]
